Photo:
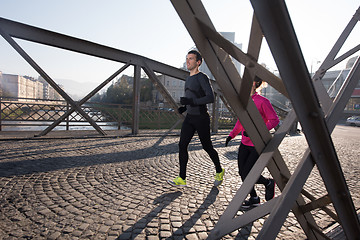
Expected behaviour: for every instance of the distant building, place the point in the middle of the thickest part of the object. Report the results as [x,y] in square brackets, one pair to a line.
[26,87]
[18,86]
[48,91]
[174,86]
[2,93]
[332,81]
[230,36]
[353,106]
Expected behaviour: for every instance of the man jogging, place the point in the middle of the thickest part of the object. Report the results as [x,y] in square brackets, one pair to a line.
[198,93]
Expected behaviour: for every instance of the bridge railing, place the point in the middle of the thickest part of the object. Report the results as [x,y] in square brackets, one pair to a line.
[28,113]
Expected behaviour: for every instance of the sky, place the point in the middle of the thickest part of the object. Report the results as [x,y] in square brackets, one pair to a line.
[153,29]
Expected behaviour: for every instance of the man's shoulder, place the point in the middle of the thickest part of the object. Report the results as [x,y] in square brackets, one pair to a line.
[202,76]
[199,76]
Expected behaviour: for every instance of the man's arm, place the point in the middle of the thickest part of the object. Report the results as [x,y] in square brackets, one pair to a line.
[206,87]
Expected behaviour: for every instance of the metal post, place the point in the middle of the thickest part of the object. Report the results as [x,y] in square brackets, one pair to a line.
[67,119]
[136,100]
[119,118]
[0,114]
[215,114]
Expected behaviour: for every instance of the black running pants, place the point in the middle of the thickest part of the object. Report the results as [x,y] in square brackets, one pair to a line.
[200,124]
[247,157]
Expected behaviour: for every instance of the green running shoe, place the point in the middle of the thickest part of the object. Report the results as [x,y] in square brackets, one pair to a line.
[219,178]
[178,181]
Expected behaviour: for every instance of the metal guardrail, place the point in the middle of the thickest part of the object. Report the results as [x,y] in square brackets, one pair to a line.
[20,112]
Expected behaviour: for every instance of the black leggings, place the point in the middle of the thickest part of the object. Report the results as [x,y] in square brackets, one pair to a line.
[247,157]
[200,124]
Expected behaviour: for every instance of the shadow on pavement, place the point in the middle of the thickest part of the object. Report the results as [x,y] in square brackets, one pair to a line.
[164,200]
[244,232]
[210,199]
[38,160]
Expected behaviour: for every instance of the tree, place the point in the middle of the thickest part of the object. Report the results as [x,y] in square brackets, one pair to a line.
[146,90]
[121,91]
[96,98]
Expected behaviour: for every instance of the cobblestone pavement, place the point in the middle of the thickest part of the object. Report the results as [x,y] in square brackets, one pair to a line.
[115,188]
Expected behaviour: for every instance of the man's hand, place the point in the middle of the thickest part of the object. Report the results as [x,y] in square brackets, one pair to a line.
[182,109]
[227,141]
[186,101]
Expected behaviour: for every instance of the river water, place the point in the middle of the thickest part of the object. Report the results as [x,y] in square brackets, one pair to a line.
[29,126]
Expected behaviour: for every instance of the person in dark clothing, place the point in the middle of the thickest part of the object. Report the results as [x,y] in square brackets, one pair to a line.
[198,93]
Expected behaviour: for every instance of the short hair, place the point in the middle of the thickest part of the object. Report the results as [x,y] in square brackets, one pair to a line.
[258,81]
[198,55]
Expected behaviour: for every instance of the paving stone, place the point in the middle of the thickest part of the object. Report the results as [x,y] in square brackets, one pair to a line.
[192,236]
[203,235]
[54,235]
[165,227]
[200,228]
[152,238]
[103,188]
[176,224]
[76,233]
[165,234]
[104,229]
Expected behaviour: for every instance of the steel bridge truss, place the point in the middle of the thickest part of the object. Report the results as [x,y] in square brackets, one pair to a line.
[315,110]
[11,29]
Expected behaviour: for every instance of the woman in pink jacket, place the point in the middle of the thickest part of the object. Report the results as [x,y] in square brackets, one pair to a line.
[247,154]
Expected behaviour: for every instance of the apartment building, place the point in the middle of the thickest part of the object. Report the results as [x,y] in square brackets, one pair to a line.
[26,87]
[174,86]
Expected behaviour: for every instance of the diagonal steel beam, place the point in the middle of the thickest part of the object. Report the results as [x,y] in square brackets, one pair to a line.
[228,222]
[276,25]
[243,58]
[228,79]
[317,203]
[344,94]
[42,36]
[272,226]
[255,41]
[338,106]
[38,35]
[161,87]
[331,60]
[341,99]
[224,70]
[82,101]
[286,200]
[324,208]
[42,73]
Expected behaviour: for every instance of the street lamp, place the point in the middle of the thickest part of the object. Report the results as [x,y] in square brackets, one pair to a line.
[312,63]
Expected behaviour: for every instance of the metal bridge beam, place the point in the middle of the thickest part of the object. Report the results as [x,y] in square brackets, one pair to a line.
[277,27]
[32,63]
[42,36]
[216,51]
[10,29]
[212,47]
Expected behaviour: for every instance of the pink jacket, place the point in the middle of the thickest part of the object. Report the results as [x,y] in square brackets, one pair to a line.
[268,114]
